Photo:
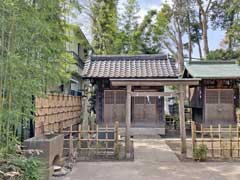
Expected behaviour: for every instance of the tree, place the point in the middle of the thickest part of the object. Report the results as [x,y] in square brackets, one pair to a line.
[193,29]
[103,14]
[32,58]
[203,20]
[225,15]
[221,54]
[170,29]
[129,27]
[149,41]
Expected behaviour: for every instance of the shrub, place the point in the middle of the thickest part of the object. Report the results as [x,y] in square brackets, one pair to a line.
[200,152]
[26,168]
[238,61]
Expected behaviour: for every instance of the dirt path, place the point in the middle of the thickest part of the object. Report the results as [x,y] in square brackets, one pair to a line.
[153,150]
[154,160]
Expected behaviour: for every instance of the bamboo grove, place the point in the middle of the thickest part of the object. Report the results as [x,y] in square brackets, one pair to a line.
[32,58]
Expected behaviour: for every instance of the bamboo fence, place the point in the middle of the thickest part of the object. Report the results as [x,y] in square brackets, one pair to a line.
[221,142]
[79,139]
[56,112]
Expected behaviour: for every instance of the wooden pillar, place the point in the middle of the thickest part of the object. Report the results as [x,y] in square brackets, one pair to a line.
[182,121]
[128,119]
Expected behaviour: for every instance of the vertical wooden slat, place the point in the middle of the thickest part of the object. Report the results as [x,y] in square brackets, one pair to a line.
[97,138]
[60,127]
[238,152]
[70,143]
[116,132]
[88,138]
[220,139]
[79,136]
[116,136]
[106,138]
[230,140]
[211,134]
[202,133]
[193,134]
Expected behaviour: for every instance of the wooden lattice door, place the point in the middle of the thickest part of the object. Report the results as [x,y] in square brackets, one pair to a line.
[219,106]
[145,112]
[114,106]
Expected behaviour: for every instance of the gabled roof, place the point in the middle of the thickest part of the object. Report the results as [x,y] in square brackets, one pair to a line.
[126,66]
[213,69]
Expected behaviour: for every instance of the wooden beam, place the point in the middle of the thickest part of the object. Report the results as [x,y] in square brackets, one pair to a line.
[154,82]
[155,94]
[182,121]
[128,120]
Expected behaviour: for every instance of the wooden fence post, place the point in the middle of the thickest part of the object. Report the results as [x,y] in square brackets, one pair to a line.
[182,121]
[211,134]
[128,121]
[116,132]
[70,144]
[88,139]
[79,136]
[220,139]
[97,138]
[202,133]
[106,138]
[230,140]
[238,141]
[193,134]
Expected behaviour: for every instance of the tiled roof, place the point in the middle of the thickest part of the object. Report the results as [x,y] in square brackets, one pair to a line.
[126,66]
[213,69]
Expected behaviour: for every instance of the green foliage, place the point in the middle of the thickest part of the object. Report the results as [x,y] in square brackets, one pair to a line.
[200,152]
[28,169]
[225,15]
[104,25]
[117,151]
[221,54]
[129,28]
[149,36]
[238,62]
[32,59]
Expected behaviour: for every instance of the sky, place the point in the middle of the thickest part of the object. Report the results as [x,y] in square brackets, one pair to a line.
[214,37]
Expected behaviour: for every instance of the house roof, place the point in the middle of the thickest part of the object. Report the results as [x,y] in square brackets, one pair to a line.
[127,66]
[213,69]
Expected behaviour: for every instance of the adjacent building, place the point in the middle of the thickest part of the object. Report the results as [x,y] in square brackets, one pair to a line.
[79,47]
[215,100]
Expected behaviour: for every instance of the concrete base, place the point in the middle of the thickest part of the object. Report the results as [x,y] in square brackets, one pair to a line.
[144,131]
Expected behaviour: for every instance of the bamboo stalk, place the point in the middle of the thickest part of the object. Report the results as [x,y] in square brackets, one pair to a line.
[220,139]
[202,133]
[238,140]
[211,133]
[97,139]
[79,136]
[193,134]
[106,138]
[88,139]
[230,140]
[70,144]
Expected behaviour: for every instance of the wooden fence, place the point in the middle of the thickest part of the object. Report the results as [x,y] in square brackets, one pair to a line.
[92,143]
[56,112]
[221,142]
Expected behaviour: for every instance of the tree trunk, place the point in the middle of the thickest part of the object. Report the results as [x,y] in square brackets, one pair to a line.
[180,48]
[189,43]
[189,32]
[199,49]
[205,35]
